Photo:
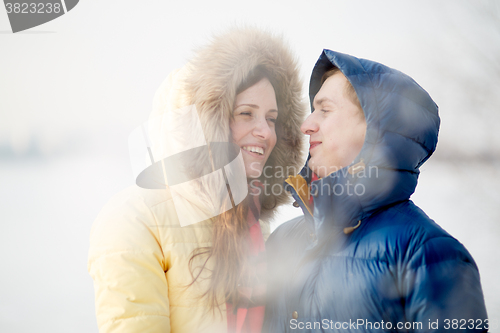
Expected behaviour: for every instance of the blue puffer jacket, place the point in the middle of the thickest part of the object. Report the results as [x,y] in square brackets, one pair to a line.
[398,270]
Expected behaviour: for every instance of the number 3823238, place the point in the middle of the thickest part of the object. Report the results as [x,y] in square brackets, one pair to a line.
[33,7]
[462,324]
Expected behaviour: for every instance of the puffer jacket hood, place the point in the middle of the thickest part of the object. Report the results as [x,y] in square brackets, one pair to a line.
[402,130]
[210,80]
[359,260]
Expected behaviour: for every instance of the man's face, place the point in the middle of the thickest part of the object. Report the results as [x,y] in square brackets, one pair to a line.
[336,128]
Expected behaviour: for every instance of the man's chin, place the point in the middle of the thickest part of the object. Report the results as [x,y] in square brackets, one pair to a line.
[312,166]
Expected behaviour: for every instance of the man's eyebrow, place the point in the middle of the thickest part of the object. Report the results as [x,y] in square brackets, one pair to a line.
[323,100]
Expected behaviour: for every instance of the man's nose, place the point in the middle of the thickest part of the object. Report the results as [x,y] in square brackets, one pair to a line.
[310,125]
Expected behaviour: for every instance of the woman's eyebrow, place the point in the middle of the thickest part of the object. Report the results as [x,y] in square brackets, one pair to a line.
[254,106]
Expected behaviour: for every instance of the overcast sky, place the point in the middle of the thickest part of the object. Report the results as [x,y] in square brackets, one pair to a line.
[95,69]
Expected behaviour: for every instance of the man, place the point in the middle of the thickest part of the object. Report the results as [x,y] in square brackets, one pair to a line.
[364,258]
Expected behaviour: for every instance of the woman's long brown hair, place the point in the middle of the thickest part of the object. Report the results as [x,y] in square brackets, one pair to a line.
[230,238]
[229,250]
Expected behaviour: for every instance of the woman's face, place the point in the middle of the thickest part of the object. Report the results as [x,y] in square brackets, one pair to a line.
[253,127]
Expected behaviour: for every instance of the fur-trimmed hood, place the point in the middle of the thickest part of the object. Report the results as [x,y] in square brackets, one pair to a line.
[209,82]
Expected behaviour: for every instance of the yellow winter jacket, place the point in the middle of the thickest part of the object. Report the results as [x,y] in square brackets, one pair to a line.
[139,253]
[138,259]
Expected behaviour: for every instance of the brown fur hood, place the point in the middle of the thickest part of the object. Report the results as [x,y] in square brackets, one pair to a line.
[209,81]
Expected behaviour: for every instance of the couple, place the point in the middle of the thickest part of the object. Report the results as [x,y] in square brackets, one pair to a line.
[362,256]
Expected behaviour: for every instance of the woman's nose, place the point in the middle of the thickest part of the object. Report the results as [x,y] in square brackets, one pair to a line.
[262,129]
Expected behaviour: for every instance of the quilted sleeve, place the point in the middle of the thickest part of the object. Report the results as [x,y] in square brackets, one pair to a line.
[127,265]
[442,289]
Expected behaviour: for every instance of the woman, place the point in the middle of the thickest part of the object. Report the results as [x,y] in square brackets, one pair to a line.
[153,275]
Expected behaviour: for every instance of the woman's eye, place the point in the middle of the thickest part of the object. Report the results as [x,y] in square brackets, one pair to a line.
[273,120]
[246,113]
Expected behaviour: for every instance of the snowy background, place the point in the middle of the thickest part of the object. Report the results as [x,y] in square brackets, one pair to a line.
[72,90]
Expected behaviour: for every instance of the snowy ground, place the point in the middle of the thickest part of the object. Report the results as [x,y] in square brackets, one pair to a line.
[48,206]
